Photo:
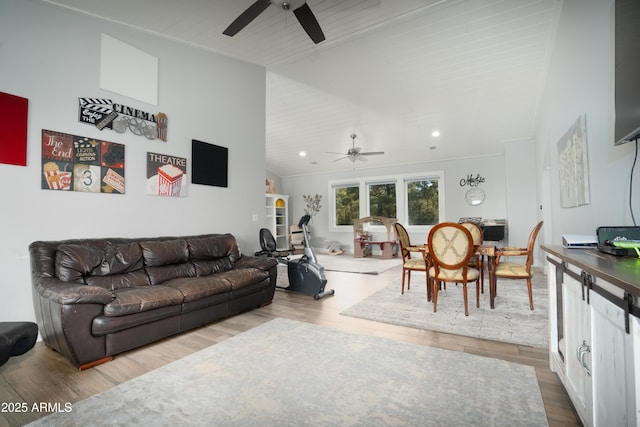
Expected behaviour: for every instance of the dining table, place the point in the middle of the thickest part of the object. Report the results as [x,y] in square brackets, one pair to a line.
[490,252]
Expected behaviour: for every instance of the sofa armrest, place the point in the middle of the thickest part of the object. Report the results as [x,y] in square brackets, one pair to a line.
[71,293]
[259,262]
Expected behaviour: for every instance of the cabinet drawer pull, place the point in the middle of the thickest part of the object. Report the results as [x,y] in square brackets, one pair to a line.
[581,354]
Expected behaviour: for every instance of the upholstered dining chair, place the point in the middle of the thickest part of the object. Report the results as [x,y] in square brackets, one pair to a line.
[513,270]
[409,263]
[450,247]
[476,260]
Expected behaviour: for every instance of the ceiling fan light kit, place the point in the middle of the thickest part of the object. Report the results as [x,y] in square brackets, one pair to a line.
[355,153]
[300,9]
[288,5]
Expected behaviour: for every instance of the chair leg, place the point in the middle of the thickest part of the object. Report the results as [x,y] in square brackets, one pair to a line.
[404,272]
[530,293]
[477,294]
[434,294]
[464,291]
[408,279]
[481,267]
[429,294]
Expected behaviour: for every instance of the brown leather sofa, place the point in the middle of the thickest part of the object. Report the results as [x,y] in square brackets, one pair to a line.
[95,298]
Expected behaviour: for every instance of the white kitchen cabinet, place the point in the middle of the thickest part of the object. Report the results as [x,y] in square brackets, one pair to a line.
[595,338]
[635,332]
[612,359]
[577,352]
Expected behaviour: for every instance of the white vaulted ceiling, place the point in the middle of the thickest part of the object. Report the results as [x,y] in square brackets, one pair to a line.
[390,71]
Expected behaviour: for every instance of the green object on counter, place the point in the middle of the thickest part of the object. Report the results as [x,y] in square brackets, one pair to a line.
[628,244]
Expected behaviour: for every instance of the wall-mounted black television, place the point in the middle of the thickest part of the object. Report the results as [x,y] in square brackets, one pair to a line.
[627,71]
[209,164]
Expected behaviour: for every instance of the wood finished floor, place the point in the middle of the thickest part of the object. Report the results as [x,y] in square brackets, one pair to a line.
[43,376]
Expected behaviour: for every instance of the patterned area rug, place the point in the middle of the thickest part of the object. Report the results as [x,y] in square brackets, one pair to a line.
[511,321]
[289,373]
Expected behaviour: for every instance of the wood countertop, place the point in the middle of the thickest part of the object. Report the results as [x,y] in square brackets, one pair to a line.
[623,272]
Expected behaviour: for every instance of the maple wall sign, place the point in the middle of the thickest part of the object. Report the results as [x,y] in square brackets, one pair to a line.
[104,113]
[166,175]
[13,129]
[76,163]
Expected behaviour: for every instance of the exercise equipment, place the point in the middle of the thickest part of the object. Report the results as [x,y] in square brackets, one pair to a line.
[305,274]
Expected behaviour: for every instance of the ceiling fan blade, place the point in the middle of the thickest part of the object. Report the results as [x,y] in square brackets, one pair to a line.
[341,158]
[372,153]
[309,22]
[246,17]
[362,159]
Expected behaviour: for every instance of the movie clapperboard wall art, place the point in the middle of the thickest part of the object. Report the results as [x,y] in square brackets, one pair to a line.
[104,113]
[166,175]
[76,163]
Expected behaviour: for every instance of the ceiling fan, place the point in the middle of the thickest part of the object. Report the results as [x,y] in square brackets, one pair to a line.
[355,153]
[300,9]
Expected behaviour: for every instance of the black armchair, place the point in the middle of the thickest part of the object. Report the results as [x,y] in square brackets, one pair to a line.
[16,338]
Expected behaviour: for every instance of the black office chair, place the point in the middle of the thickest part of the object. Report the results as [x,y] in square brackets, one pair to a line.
[269,246]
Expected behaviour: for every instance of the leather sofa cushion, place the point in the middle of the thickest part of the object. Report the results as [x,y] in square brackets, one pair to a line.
[76,262]
[102,325]
[243,277]
[165,252]
[118,281]
[207,267]
[142,298]
[211,247]
[158,275]
[194,288]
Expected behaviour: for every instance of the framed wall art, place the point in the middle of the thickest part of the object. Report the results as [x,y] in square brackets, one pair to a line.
[166,175]
[573,165]
[77,163]
[13,129]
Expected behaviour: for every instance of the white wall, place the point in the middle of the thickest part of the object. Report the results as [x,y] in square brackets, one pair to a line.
[580,81]
[522,202]
[490,167]
[51,57]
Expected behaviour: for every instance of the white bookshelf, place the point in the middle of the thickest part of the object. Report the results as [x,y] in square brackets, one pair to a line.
[277,219]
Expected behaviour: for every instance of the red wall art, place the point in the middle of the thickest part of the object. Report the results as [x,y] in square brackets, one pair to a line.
[13,129]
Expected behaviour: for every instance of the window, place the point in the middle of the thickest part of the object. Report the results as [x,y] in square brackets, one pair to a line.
[382,200]
[417,200]
[347,204]
[423,207]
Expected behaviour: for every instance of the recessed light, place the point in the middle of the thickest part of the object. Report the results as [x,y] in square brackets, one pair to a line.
[302,154]
[435,133]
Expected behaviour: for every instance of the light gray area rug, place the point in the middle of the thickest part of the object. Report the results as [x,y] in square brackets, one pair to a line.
[511,321]
[346,263]
[289,373]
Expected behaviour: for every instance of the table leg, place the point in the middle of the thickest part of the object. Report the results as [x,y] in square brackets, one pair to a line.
[492,280]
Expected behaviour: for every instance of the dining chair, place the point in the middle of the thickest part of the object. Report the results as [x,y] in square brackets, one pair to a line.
[409,263]
[476,260]
[513,270]
[450,247]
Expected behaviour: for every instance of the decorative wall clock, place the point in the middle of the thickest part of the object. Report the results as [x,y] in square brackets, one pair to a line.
[474,196]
